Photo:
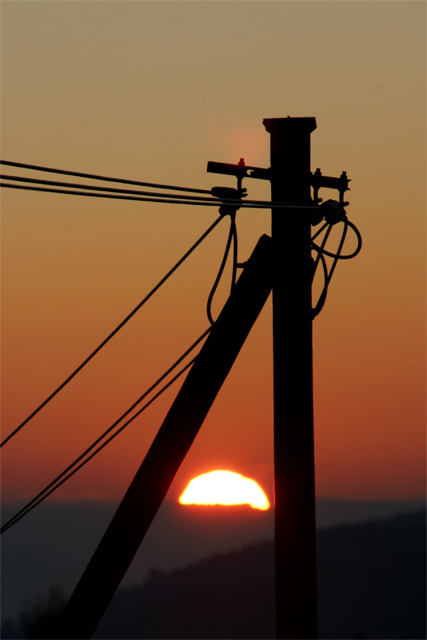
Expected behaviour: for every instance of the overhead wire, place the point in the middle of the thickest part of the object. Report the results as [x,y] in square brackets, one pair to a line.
[94,176]
[111,196]
[231,242]
[337,256]
[348,256]
[68,185]
[322,246]
[58,187]
[235,247]
[319,231]
[167,199]
[114,332]
[125,194]
[151,194]
[233,236]
[84,458]
[327,275]
[322,252]
[139,183]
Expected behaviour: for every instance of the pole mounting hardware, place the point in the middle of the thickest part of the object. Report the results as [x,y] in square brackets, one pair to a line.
[239,170]
[340,184]
[333,211]
[227,193]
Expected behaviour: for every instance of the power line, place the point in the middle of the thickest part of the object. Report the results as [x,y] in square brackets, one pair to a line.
[175,199]
[74,466]
[168,199]
[93,176]
[113,333]
[319,231]
[348,256]
[213,203]
[322,252]
[68,185]
[326,274]
[136,183]
[151,194]
[232,238]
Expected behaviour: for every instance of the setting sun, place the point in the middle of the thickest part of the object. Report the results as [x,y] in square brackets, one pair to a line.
[226,488]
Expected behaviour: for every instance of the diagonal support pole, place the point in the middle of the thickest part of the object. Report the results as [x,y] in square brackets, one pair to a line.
[142,500]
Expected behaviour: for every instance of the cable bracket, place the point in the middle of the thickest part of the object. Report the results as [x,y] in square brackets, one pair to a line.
[319,181]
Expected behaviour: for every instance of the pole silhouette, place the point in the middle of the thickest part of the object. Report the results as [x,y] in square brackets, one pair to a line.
[140,504]
[284,264]
[295,523]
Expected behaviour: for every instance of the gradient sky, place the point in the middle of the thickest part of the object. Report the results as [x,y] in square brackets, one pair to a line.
[152,91]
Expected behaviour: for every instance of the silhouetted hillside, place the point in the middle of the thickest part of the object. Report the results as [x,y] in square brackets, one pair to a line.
[372,579]
[52,545]
[229,595]
[372,584]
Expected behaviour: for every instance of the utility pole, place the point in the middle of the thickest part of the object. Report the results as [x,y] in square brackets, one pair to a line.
[147,490]
[284,264]
[295,522]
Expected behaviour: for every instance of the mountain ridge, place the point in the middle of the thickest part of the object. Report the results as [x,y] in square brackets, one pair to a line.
[371,579]
[52,545]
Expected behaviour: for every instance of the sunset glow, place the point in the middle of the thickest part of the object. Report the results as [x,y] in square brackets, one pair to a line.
[148,95]
[226,488]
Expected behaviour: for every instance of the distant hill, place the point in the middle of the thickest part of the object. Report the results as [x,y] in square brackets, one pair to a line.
[372,584]
[53,544]
[372,579]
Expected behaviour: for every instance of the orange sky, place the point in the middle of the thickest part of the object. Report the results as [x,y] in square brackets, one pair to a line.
[152,91]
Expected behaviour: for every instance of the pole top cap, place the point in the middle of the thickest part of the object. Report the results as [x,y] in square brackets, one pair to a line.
[288,125]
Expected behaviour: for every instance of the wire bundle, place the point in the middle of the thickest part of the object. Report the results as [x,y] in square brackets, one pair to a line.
[229,206]
[117,193]
[102,440]
[322,253]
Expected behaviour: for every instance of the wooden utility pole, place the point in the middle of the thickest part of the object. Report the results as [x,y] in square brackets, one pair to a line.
[295,522]
[138,508]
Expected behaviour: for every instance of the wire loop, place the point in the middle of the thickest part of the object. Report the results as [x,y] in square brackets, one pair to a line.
[231,242]
[322,252]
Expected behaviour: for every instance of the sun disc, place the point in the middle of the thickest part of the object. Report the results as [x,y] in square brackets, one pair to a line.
[226,488]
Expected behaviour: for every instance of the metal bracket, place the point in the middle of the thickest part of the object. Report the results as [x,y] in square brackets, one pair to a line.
[239,170]
[317,180]
[340,184]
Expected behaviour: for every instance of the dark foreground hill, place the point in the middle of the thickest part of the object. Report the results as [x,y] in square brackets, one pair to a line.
[52,545]
[371,576]
[372,584]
